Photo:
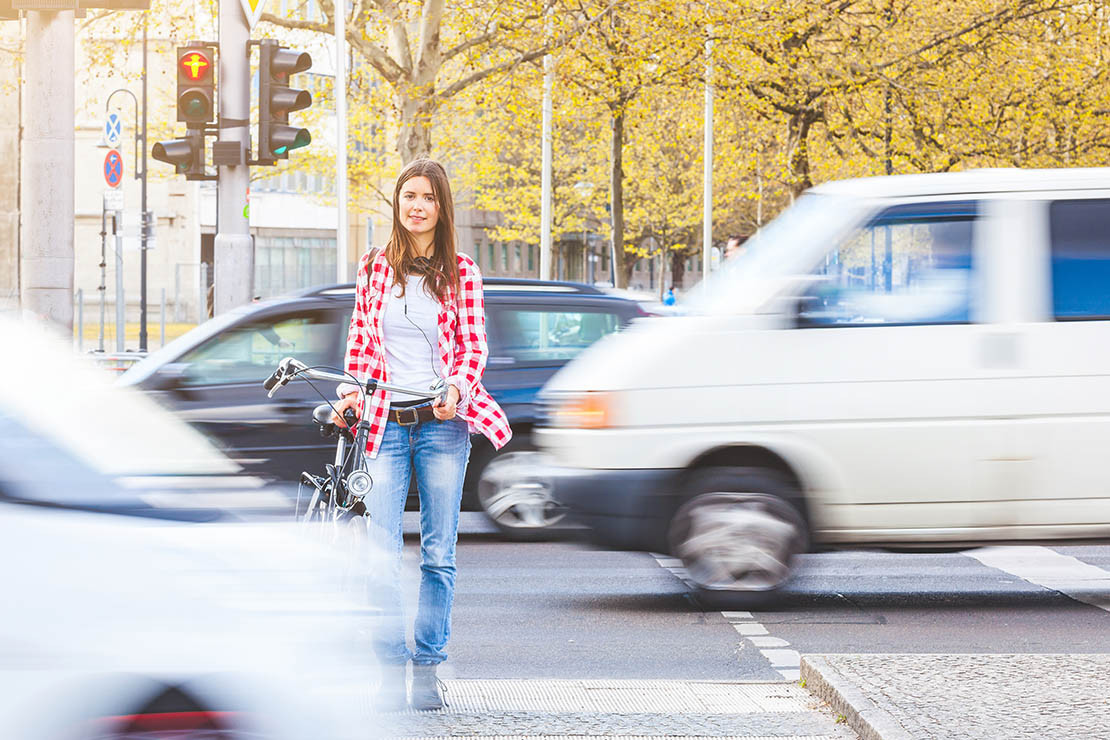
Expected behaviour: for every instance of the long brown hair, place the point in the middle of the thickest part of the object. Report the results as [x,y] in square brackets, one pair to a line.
[441,271]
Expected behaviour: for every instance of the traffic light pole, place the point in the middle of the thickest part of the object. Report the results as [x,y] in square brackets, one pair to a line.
[233,278]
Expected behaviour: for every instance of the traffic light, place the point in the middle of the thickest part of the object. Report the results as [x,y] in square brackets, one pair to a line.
[196,85]
[276,99]
[187,154]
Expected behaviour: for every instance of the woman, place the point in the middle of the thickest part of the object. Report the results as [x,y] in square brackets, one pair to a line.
[419,317]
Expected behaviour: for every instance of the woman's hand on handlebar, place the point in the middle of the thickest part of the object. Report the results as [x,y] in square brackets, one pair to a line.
[446,410]
[349,401]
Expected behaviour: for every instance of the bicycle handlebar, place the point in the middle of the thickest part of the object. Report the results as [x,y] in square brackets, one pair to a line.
[290,368]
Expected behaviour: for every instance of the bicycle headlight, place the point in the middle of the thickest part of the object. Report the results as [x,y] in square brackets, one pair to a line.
[359,483]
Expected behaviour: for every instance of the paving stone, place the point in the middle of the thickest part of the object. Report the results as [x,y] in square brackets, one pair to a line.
[965,697]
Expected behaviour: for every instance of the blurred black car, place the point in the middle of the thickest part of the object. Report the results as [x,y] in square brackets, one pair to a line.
[213,377]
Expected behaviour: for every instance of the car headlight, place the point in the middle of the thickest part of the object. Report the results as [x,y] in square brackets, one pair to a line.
[582,411]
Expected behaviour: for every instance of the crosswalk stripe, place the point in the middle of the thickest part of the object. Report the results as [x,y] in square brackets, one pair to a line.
[1050,569]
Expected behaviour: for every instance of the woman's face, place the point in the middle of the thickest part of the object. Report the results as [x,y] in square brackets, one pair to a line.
[418,207]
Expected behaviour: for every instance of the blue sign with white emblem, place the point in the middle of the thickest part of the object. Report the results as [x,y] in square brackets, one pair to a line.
[113,169]
[113,130]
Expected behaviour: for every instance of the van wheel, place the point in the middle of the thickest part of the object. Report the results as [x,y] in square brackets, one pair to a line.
[516,495]
[738,535]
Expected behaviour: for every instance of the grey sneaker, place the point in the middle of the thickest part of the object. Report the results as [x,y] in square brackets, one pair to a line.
[426,694]
[392,693]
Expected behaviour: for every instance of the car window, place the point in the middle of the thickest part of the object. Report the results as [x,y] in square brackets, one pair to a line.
[251,352]
[544,335]
[911,265]
[1080,233]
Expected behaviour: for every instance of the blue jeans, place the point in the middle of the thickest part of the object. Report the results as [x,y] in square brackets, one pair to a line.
[437,452]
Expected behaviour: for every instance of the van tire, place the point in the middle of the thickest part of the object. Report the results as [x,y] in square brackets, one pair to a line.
[739,535]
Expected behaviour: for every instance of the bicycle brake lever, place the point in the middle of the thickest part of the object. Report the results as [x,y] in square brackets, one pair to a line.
[440,388]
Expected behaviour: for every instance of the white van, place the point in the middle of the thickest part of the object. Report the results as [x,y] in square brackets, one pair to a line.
[913,361]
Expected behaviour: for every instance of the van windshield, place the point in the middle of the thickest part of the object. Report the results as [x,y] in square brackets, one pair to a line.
[791,244]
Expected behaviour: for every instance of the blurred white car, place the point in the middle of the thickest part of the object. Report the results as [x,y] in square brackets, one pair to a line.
[144,595]
[913,361]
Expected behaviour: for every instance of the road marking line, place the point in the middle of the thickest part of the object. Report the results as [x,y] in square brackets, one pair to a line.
[750,628]
[1049,569]
[784,662]
[783,658]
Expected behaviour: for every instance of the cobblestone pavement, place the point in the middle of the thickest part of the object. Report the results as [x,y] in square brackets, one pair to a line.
[896,697]
[629,709]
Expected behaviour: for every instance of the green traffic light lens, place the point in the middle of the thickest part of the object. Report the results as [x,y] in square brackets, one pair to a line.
[195,105]
[281,150]
[302,139]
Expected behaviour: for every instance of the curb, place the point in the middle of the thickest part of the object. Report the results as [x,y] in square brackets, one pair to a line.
[868,719]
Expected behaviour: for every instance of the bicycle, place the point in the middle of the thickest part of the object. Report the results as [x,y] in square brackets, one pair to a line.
[339,496]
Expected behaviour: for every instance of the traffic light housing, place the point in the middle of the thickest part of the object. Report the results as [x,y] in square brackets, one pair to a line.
[196,85]
[276,99]
[187,155]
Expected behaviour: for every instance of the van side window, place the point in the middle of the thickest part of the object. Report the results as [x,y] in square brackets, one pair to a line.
[1080,233]
[910,265]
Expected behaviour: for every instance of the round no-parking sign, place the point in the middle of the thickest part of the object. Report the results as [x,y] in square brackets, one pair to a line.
[113,168]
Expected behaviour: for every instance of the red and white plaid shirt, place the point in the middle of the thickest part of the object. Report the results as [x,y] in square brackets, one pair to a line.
[462,349]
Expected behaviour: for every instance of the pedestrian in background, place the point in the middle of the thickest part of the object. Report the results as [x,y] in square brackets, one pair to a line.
[419,317]
[668,299]
[735,247]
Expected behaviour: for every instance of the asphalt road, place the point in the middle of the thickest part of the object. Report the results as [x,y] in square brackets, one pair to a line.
[563,610]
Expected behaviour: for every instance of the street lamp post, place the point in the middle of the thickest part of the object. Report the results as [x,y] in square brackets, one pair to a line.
[144,219]
[117,220]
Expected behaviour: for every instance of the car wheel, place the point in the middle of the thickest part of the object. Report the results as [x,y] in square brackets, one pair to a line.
[738,535]
[515,494]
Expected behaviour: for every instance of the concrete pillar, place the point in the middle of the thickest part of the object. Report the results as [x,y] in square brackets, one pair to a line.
[47,170]
[9,176]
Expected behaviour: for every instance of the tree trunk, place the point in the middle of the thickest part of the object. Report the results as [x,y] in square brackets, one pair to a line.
[621,270]
[414,140]
[799,127]
[677,269]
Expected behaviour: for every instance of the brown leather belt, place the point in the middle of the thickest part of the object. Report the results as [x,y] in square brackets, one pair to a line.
[409,415]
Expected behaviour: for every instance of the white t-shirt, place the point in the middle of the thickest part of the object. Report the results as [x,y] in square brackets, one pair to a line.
[410,331]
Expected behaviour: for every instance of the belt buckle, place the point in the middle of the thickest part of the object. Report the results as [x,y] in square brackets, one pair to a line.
[415,416]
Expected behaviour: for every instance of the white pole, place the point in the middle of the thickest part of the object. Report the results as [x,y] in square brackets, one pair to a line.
[233,268]
[341,140]
[707,187]
[545,197]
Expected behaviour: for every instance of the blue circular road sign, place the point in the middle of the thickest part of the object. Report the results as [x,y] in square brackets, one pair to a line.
[113,168]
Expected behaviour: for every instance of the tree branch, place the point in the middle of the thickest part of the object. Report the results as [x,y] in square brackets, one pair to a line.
[427,52]
[526,57]
[398,32]
[382,62]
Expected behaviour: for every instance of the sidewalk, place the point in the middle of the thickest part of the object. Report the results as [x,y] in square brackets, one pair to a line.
[628,709]
[899,697]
